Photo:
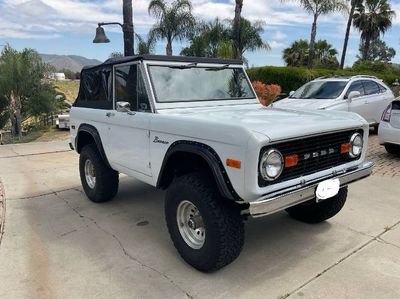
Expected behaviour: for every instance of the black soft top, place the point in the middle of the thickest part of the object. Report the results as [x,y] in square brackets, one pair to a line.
[113,61]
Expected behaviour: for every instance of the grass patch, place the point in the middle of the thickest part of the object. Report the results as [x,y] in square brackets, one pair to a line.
[30,137]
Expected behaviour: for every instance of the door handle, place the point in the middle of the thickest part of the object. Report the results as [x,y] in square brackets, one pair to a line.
[109,114]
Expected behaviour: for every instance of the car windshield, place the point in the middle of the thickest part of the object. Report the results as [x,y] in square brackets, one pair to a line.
[191,83]
[320,90]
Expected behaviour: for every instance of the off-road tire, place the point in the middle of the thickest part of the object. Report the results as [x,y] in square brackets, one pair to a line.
[107,179]
[393,149]
[313,212]
[224,236]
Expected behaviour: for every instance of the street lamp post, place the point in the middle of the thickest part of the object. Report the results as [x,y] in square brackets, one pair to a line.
[127,29]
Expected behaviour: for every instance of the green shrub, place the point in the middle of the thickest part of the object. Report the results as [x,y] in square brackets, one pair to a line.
[292,78]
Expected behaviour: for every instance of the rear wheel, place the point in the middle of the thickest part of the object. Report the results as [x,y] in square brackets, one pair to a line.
[393,149]
[99,181]
[313,212]
[207,231]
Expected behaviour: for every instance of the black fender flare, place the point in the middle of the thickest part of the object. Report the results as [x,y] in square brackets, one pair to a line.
[211,157]
[96,137]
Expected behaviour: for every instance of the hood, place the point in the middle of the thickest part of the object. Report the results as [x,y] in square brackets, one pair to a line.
[305,103]
[274,123]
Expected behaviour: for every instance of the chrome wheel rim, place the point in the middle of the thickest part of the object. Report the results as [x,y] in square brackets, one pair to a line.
[191,224]
[90,174]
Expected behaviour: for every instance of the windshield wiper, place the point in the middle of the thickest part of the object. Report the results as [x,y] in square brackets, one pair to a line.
[184,66]
[215,69]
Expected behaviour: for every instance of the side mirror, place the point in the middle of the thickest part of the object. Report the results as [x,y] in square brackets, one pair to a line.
[124,107]
[291,93]
[352,95]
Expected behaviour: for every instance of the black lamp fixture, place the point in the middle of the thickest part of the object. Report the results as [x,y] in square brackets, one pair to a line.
[101,37]
[127,29]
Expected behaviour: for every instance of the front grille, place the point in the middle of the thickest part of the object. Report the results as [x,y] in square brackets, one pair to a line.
[327,146]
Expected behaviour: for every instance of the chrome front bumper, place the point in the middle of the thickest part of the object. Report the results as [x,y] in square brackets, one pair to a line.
[292,196]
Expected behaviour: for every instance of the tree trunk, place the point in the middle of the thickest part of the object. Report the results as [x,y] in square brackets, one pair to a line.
[128,28]
[312,42]
[367,44]
[236,30]
[169,47]
[346,38]
[15,115]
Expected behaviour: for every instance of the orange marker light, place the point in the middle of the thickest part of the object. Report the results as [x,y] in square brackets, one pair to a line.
[345,148]
[291,161]
[233,163]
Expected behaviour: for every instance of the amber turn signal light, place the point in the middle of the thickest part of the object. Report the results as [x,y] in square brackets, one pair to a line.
[291,161]
[345,148]
[233,163]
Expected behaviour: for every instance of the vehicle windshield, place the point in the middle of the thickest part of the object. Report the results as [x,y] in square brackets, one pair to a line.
[320,90]
[190,83]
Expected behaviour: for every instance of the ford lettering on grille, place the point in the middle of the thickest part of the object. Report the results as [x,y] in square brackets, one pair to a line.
[316,153]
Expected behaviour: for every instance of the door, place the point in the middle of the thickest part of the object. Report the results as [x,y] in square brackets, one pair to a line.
[129,129]
[357,105]
[374,101]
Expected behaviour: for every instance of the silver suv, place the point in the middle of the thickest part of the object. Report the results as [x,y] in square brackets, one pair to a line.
[366,95]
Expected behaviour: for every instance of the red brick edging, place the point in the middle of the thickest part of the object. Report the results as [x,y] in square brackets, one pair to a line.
[2,210]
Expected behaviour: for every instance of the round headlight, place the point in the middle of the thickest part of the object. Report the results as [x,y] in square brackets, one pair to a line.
[271,165]
[356,145]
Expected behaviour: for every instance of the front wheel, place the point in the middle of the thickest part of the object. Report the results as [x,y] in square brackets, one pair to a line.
[99,181]
[207,231]
[313,212]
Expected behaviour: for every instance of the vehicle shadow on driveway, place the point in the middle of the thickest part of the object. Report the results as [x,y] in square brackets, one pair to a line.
[279,253]
[64,241]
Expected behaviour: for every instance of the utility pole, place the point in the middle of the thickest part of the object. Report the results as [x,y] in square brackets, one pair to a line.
[128,28]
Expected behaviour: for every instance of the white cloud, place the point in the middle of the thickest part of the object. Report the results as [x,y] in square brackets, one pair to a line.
[276,45]
[279,36]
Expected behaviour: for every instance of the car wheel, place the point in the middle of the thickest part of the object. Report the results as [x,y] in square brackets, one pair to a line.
[313,212]
[393,149]
[99,181]
[207,231]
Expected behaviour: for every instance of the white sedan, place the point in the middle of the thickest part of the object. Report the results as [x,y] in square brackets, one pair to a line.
[389,128]
[365,95]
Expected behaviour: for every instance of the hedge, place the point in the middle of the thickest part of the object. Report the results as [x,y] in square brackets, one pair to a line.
[292,78]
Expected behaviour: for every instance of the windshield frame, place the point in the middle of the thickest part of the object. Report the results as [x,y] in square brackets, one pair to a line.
[225,101]
[345,87]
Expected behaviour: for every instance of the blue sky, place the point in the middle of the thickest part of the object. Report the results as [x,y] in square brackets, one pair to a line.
[68,26]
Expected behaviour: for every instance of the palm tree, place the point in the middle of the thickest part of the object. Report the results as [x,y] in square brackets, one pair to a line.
[250,37]
[145,46]
[214,38]
[353,4]
[318,8]
[175,21]
[325,54]
[372,19]
[204,42]
[236,36]
[297,53]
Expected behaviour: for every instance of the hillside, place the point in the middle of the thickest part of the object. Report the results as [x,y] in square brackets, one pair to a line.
[74,63]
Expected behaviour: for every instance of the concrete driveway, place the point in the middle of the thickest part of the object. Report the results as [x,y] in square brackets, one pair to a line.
[57,244]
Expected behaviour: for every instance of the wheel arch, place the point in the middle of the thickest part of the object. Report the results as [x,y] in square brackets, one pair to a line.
[183,156]
[88,134]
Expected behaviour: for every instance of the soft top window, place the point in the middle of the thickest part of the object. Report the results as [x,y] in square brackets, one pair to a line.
[95,88]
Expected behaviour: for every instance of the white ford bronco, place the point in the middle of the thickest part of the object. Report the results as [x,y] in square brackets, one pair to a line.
[195,127]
